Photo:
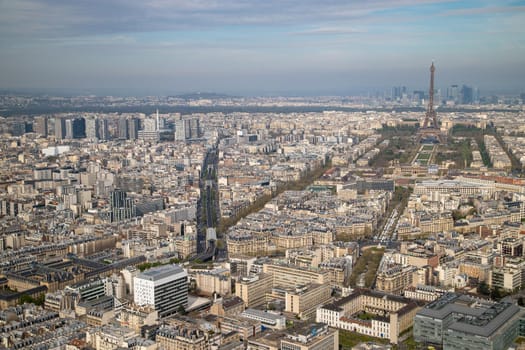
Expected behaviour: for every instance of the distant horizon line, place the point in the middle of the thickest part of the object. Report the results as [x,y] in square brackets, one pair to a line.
[161,92]
[140,92]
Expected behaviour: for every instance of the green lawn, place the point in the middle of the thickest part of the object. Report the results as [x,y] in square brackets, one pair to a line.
[365,316]
[349,339]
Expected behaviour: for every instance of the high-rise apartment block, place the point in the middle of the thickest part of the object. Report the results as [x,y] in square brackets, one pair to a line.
[60,128]
[102,129]
[186,129]
[40,126]
[123,129]
[91,128]
[74,128]
[133,128]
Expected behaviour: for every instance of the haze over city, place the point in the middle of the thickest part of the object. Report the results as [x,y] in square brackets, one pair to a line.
[259,47]
[262,175]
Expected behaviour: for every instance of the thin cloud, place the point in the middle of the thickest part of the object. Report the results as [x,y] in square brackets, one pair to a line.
[329,31]
[484,10]
[55,18]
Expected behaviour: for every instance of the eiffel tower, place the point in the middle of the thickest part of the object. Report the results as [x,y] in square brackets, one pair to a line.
[430,131]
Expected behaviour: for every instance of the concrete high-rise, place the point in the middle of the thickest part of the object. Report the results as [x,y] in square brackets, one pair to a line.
[75,128]
[186,129]
[79,128]
[165,288]
[40,126]
[60,128]
[69,129]
[91,128]
[102,129]
[453,93]
[123,129]
[467,95]
[133,128]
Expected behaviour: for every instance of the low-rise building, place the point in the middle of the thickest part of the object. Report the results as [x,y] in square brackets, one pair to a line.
[230,306]
[135,317]
[313,337]
[252,290]
[177,337]
[245,327]
[371,313]
[394,278]
[209,282]
[289,276]
[267,319]
[457,321]
[304,300]
[424,292]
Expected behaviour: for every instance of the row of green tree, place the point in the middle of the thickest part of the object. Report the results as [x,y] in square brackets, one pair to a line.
[39,300]
[305,181]
[148,265]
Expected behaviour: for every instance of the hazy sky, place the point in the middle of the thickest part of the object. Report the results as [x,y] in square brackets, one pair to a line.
[260,46]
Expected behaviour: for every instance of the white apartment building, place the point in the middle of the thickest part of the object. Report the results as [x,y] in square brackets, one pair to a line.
[165,288]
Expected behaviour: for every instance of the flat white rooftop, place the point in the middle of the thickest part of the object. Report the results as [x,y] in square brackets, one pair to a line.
[158,273]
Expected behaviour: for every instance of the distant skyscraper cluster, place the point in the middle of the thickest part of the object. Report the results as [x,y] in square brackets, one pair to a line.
[464,95]
[151,128]
[66,128]
[398,92]
[186,129]
[455,94]
[97,129]
[128,128]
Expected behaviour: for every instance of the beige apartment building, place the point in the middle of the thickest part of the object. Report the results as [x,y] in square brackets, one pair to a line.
[304,300]
[285,241]
[252,290]
[396,279]
[210,282]
[181,338]
[474,270]
[134,317]
[339,270]
[436,224]
[245,327]
[290,276]
[247,245]
[186,246]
